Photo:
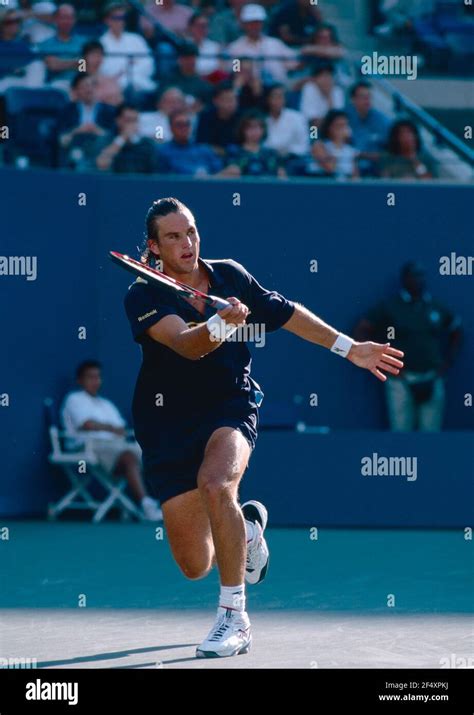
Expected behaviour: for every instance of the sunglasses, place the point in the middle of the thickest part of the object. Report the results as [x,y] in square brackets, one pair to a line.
[118,17]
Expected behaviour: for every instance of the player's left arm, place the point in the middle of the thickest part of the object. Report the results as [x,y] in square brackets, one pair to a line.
[376,357]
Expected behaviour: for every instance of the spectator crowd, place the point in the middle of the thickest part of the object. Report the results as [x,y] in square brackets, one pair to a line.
[199,89]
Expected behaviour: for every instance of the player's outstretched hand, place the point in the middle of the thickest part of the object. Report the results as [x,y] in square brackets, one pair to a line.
[236,313]
[377,358]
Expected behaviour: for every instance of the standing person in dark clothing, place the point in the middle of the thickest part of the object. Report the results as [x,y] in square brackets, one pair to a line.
[418,324]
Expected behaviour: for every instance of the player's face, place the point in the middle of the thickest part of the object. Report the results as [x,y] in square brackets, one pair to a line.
[178,245]
[91,380]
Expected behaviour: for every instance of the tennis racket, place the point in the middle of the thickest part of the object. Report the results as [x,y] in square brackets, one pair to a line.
[166,282]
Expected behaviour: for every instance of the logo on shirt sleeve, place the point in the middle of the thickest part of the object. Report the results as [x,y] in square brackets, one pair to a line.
[147,315]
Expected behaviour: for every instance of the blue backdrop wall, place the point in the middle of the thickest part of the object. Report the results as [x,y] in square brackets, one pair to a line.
[277,230]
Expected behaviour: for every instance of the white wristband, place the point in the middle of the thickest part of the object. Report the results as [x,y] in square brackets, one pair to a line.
[342,345]
[219,329]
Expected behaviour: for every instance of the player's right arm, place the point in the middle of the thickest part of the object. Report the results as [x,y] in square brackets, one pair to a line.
[151,317]
[196,342]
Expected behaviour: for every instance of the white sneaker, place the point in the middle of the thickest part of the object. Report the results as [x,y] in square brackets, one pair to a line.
[151,510]
[230,635]
[258,555]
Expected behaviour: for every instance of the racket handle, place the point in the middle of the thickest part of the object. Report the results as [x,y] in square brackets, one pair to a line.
[219,303]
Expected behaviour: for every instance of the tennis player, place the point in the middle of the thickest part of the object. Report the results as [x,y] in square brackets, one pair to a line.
[195,408]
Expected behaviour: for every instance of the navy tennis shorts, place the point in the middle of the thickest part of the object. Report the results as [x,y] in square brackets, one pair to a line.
[171,467]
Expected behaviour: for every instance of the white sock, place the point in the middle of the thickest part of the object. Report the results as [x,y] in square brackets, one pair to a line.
[249,528]
[232,597]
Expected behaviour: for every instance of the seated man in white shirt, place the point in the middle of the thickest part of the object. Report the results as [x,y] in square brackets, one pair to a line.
[84,412]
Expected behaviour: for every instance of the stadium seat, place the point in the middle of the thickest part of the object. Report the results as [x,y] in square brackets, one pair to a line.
[80,496]
[33,117]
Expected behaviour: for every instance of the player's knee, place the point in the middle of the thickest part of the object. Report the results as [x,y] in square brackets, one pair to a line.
[194,570]
[215,489]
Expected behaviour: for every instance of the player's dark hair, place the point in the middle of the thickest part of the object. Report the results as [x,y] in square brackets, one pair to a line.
[158,209]
[87,365]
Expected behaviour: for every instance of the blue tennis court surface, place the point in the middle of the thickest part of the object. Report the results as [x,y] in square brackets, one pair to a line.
[108,596]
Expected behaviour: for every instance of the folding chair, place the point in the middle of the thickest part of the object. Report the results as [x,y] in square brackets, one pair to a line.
[80,496]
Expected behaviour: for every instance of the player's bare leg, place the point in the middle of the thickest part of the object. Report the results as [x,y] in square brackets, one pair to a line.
[189,533]
[225,459]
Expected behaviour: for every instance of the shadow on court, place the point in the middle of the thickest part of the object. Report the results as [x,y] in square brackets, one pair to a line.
[83,660]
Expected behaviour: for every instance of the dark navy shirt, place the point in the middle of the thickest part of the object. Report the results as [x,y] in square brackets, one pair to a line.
[173,388]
